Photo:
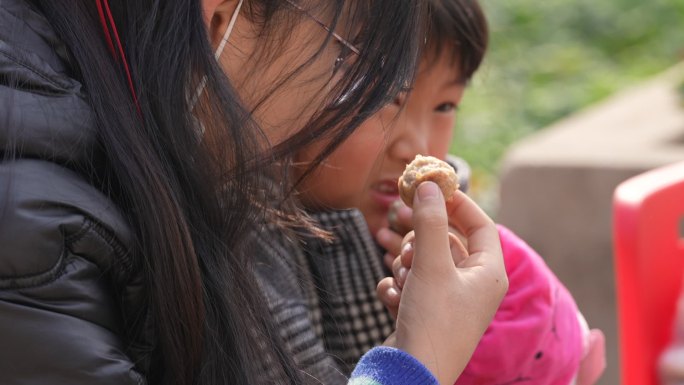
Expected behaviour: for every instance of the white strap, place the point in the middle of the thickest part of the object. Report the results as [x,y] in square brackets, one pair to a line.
[217,55]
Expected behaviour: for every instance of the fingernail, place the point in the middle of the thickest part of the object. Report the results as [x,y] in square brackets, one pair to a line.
[392,292]
[396,205]
[427,190]
[408,247]
[389,259]
[401,276]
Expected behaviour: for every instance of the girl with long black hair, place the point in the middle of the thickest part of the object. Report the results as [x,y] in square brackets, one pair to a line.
[132,174]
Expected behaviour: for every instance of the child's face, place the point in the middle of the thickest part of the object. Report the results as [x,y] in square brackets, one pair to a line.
[364,170]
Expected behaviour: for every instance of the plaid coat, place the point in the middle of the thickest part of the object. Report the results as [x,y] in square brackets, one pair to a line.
[322,294]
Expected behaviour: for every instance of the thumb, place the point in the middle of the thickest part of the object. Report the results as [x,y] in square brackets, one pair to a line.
[431,227]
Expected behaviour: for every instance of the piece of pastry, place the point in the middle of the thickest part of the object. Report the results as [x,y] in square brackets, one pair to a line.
[427,168]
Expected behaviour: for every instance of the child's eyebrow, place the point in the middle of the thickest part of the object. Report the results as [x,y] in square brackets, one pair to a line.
[455,82]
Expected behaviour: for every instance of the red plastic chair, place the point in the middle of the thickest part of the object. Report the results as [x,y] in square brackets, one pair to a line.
[649,255]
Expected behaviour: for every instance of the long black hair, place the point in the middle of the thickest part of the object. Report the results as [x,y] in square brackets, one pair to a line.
[191,202]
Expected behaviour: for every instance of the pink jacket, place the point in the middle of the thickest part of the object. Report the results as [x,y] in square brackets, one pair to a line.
[536,337]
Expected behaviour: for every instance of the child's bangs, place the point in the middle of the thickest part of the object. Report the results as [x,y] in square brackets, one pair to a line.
[459,30]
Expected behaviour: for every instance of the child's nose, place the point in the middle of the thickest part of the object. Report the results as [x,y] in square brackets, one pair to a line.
[411,140]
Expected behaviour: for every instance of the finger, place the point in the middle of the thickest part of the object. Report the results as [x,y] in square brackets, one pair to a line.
[670,365]
[458,250]
[389,294]
[480,231]
[389,240]
[432,251]
[405,217]
[460,236]
[400,272]
[400,217]
[594,363]
[406,254]
[389,260]
[391,340]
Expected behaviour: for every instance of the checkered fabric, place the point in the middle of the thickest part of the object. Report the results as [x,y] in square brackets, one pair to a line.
[322,294]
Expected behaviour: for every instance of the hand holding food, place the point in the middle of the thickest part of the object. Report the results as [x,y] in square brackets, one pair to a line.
[446,288]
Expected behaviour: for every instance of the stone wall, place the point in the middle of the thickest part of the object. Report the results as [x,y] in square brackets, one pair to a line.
[557,187]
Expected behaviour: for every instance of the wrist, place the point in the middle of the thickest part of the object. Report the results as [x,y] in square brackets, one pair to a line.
[391,366]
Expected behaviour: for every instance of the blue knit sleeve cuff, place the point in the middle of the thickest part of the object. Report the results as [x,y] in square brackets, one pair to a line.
[389,366]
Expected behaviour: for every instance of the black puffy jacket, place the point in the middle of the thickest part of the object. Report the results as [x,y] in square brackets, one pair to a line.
[67,278]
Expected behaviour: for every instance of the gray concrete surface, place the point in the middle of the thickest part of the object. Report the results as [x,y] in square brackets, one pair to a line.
[557,186]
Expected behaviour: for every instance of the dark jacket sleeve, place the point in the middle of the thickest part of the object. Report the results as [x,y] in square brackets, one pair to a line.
[60,245]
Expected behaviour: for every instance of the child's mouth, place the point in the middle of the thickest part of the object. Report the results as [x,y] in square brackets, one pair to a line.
[385,192]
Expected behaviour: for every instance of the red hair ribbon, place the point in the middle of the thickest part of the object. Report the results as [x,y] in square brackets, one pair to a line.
[107,21]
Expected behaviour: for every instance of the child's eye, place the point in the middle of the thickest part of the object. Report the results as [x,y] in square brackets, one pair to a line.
[446,107]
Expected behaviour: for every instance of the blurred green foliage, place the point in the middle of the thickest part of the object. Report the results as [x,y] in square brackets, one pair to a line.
[550,58]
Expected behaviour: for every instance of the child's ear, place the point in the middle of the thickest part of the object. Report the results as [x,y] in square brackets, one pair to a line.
[217,15]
